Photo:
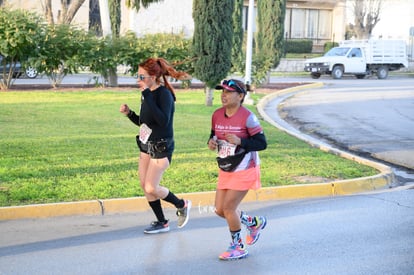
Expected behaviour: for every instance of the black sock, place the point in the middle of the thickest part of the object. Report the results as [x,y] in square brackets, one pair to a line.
[157,209]
[171,198]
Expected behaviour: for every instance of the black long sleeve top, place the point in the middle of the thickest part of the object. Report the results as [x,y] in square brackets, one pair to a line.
[157,112]
[256,142]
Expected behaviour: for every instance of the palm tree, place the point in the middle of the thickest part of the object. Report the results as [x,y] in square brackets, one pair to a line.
[110,12]
[136,4]
[66,14]
[111,8]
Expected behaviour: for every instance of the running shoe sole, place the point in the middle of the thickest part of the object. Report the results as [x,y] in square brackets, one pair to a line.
[235,258]
[188,215]
[166,229]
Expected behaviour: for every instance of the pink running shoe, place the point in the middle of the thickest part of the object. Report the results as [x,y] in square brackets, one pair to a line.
[234,252]
[253,233]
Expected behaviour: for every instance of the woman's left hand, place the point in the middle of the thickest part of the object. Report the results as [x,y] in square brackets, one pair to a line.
[233,139]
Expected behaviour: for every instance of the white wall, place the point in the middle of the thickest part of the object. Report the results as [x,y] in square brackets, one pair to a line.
[168,16]
[397,17]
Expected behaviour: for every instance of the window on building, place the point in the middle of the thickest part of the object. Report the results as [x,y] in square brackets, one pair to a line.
[325,24]
[303,23]
[312,23]
[298,23]
[308,24]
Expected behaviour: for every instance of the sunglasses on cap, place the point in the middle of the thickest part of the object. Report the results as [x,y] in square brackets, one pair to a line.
[226,84]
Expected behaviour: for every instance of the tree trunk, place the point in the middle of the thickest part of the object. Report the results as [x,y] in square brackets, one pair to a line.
[367,15]
[209,96]
[67,13]
[49,12]
[112,77]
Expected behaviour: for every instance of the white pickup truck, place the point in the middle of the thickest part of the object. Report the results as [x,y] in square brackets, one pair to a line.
[360,58]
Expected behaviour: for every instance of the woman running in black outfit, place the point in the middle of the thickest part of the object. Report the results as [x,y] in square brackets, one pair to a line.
[156,138]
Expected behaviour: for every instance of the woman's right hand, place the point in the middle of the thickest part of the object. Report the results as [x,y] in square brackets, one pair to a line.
[212,144]
[124,109]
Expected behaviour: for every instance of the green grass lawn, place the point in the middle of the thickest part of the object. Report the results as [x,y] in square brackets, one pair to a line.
[61,146]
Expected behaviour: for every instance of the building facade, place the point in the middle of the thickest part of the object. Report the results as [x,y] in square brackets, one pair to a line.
[320,21]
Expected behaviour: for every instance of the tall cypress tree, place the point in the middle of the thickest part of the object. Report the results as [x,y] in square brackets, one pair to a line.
[237,55]
[115,16]
[212,41]
[270,26]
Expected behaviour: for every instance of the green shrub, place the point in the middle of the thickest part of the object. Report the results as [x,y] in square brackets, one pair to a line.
[298,46]
[329,45]
[173,47]
[20,33]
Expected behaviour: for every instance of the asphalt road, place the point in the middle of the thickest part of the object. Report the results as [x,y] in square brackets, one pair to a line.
[359,234]
[374,118]
[368,117]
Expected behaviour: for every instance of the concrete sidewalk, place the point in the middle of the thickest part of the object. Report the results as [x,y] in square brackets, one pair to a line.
[384,178]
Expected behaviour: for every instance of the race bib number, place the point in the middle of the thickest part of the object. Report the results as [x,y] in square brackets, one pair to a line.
[225,149]
[144,133]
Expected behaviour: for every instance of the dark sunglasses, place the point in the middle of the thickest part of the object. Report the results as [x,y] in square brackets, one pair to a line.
[233,84]
[141,76]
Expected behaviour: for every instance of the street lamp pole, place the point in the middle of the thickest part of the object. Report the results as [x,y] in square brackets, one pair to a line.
[249,46]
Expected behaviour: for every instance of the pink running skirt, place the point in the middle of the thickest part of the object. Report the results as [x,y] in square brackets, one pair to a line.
[240,180]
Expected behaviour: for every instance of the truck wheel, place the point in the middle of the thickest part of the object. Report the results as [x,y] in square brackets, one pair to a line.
[315,75]
[382,72]
[360,76]
[337,72]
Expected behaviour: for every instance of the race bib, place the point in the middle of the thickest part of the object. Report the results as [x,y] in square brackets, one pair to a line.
[225,148]
[144,133]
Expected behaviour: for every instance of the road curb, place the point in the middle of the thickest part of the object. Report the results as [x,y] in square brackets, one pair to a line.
[202,200]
